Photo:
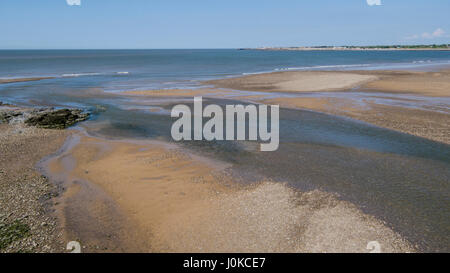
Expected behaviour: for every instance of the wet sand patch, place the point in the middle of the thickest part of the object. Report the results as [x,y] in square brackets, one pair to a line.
[176,92]
[176,202]
[435,84]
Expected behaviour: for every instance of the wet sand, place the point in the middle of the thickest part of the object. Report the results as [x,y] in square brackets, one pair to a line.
[14,80]
[435,84]
[140,196]
[304,90]
[170,200]
[424,83]
[419,122]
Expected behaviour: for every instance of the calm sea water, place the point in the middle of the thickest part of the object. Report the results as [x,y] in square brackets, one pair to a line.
[116,70]
[400,178]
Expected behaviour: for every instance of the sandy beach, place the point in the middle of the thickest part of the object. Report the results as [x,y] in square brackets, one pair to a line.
[173,201]
[425,122]
[153,196]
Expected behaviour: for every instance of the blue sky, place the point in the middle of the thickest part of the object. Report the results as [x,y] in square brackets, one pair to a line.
[220,23]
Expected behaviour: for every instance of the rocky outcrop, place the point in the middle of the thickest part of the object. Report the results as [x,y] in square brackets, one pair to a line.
[57,119]
[47,118]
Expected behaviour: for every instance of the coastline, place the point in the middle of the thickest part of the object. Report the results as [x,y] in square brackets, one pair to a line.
[390,81]
[340,48]
[26,197]
[28,222]
[152,196]
[411,102]
[128,196]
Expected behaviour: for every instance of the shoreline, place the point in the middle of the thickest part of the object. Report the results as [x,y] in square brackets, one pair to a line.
[172,201]
[407,101]
[335,80]
[28,135]
[162,203]
[316,207]
[408,88]
[27,197]
[340,48]
[30,79]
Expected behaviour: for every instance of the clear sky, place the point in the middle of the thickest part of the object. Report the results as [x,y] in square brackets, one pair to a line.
[220,23]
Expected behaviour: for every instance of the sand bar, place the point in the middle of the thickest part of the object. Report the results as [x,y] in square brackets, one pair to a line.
[14,80]
[425,83]
[295,81]
[409,88]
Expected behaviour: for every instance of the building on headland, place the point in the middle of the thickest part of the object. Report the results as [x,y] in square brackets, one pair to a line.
[377,47]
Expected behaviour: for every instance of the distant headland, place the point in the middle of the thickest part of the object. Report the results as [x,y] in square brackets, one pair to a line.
[356,48]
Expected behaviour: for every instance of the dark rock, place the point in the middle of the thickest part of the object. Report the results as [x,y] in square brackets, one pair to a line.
[56,119]
[47,118]
[6,116]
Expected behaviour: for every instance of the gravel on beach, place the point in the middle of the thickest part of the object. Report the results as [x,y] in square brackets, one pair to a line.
[27,223]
